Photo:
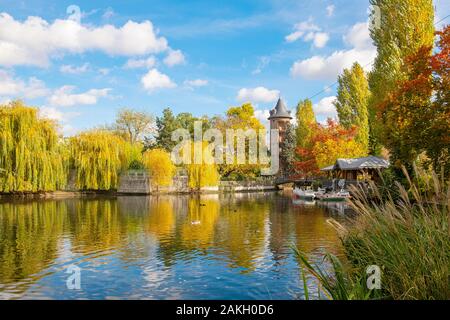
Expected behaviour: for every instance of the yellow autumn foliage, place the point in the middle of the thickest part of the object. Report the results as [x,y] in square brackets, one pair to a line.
[98,157]
[159,166]
[31,157]
[327,152]
[204,174]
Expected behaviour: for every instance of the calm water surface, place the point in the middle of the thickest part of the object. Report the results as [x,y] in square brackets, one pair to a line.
[167,247]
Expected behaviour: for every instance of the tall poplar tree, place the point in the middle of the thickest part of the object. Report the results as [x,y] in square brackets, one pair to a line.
[352,103]
[306,123]
[403,26]
[288,154]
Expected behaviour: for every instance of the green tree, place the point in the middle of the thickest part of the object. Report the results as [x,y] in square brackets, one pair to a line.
[288,151]
[352,103]
[240,118]
[169,123]
[165,125]
[306,123]
[133,125]
[404,27]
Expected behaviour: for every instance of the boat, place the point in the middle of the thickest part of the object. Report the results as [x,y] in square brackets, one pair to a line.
[304,194]
[303,203]
[334,196]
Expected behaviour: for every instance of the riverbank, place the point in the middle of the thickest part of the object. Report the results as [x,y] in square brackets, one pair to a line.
[140,184]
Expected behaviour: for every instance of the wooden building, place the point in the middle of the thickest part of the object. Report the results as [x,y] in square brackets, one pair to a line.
[360,169]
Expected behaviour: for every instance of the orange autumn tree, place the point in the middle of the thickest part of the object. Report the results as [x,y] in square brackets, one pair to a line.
[329,143]
[416,117]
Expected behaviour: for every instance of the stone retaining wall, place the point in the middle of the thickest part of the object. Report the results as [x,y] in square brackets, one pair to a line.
[139,182]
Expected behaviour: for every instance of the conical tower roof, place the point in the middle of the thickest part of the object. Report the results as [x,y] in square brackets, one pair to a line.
[280,111]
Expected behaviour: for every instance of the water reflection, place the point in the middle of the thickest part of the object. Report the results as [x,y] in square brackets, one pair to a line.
[167,247]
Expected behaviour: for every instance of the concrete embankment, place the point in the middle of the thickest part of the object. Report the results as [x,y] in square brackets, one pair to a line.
[140,183]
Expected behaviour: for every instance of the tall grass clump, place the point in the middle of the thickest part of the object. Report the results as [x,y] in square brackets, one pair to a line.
[408,238]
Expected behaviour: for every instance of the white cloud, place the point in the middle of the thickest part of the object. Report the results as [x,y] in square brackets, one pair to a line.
[17,88]
[140,63]
[294,36]
[359,36]
[330,10]
[196,83]
[300,29]
[263,62]
[62,117]
[154,80]
[55,114]
[35,41]
[329,67]
[35,88]
[325,108]
[74,69]
[51,113]
[321,39]
[9,85]
[308,31]
[109,13]
[4,101]
[64,97]
[262,116]
[174,58]
[259,94]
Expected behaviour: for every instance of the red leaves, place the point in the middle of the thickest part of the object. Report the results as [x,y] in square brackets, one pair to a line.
[416,116]
[308,166]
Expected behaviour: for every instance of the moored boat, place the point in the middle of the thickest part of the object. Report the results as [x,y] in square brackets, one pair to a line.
[334,196]
[304,194]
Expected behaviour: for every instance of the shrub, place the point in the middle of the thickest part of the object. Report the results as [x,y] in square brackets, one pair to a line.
[159,166]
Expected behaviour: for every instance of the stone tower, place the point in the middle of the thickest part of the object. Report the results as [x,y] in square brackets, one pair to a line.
[279,119]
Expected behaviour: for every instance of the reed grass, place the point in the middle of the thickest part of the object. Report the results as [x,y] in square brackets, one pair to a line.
[408,238]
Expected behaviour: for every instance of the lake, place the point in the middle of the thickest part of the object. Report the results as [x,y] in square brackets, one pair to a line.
[236,246]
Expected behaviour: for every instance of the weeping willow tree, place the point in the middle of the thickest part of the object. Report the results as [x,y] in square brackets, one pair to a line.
[98,157]
[204,174]
[31,157]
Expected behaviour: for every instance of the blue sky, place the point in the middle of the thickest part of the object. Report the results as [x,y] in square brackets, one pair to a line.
[193,56]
